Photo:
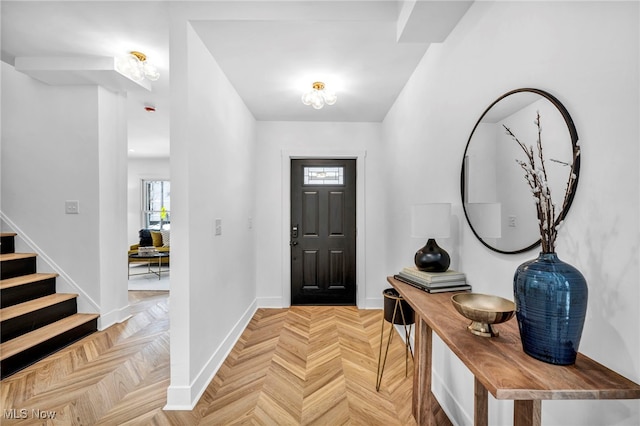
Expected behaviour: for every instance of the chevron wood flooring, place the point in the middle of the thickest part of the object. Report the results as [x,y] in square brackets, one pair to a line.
[307,365]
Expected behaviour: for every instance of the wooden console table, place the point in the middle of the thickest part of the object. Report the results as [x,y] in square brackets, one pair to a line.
[499,365]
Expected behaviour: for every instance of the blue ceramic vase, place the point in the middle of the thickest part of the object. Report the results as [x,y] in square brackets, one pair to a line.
[551,304]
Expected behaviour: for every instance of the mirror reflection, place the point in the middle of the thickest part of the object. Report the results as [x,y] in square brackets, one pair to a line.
[498,203]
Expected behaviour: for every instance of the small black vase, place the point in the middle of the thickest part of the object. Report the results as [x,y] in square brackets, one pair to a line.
[432,258]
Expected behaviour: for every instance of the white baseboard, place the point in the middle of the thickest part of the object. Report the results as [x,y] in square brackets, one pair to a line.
[186,397]
[115,316]
[179,398]
[450,405]
[373,303]
[270,302]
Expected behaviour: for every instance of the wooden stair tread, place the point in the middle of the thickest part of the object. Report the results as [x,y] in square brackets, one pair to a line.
[15,256]
[25,279]
[35,320]
[42,334]
[33,305]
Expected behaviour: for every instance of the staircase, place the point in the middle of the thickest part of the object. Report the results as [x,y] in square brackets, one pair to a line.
[35,321]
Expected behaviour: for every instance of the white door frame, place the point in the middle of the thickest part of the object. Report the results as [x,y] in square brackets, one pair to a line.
[359,156]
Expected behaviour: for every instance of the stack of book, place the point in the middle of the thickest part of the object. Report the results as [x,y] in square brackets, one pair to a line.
[433,282]
[147,251]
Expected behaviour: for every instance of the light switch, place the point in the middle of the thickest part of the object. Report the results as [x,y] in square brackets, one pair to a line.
[72,207]
[512,221]
[218,227]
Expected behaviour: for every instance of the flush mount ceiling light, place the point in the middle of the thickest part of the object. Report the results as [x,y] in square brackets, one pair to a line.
[135,66]
[318,96]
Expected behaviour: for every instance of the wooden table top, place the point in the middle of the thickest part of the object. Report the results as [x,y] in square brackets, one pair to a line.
[501,365]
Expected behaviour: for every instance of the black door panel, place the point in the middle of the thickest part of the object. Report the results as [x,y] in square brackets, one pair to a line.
[323,232]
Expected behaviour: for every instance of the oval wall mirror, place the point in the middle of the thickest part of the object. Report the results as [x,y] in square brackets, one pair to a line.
[497,201]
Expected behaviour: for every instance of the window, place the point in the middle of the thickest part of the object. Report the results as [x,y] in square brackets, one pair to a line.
[323,175]
[156,204]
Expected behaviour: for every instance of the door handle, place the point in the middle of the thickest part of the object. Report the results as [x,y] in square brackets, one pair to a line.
[293,243]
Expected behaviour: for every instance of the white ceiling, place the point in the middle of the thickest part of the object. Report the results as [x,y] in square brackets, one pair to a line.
[270,51]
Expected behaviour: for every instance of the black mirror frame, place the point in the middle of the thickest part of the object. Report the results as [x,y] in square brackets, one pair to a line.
[576,167]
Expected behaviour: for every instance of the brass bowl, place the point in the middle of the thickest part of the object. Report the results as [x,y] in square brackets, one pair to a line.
[483,310]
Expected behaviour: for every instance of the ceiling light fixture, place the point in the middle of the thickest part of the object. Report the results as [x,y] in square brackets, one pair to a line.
[135,66]
[318,96]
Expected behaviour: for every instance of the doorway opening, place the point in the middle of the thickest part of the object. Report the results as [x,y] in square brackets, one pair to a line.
[323,231]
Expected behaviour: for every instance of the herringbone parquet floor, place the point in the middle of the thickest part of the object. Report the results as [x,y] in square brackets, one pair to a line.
[299,366]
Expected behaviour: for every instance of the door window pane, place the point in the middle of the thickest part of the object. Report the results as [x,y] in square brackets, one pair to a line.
[323,175]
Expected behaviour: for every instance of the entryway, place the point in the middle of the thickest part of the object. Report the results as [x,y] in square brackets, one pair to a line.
[323,232]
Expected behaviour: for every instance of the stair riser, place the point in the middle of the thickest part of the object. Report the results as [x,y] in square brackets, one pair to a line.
[17,326]
[30,356]
[23,293]
[7,245]
[17,267]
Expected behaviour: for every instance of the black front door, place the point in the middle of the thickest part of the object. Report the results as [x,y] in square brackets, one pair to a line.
[323,232]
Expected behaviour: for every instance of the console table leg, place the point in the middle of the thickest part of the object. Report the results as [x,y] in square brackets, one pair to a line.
[422,397]
[481,404]
[527,412]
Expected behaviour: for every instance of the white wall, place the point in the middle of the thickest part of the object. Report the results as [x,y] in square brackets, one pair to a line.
[585,53]
[139,169]
[277,143]
[112,183]
[67,143]
[213,294]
